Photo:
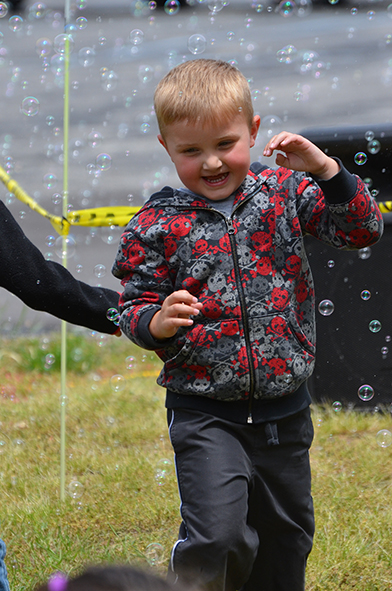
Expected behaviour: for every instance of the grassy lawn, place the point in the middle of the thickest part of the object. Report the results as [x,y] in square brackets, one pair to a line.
[122,503]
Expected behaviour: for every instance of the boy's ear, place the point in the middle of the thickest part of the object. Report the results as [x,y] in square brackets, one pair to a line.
[161,141]
[254,130]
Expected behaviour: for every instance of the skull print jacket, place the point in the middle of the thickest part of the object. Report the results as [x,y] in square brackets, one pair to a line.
[255,335]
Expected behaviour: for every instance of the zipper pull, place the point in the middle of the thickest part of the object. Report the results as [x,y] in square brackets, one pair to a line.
[230,227]
[250,419]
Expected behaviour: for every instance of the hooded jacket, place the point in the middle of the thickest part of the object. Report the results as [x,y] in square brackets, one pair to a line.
[255,335]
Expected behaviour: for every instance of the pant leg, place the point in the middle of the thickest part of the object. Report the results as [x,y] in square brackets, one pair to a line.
[4,585]
[216,547]
[281,507]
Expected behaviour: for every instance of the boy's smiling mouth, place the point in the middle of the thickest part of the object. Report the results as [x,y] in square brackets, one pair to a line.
[217,179]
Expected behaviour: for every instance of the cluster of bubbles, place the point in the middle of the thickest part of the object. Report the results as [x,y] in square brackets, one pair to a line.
[373,147]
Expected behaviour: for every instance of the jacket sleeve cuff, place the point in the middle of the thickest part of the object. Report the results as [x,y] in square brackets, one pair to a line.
[145,335]
[341,188]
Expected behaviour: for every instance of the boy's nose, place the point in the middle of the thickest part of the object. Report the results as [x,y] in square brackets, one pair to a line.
[212,162]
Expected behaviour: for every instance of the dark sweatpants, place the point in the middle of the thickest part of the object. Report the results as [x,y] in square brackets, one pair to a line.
[246,502]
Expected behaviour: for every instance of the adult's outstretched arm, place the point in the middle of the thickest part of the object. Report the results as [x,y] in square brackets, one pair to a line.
[47,285]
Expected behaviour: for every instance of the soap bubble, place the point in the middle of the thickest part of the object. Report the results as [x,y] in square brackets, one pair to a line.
[81,22]
[197,44]
[15,23]
[365,392]
[43,47]
[37,10]
[331,263]
[364,253]
[117,383]
[100,271]
[49,360]
[375,326]
[384,351]
[3,9]
[30,106]
[136,36]
[113,315]
[81,4]
[337,406]
[272,124]
[65,246]
[130,362]
[145,74]
[49,180]
[366,295]
[94,139]
[103,161]
[63,42]
[384,438]
[162,471]
[86,56]
[109,80]
[171,7]
[287,8]
[369,135]
[154,554]
[215,5]
[287,54]
[75,489]
[326,307]
[389,10]
[360,158]
[374,147]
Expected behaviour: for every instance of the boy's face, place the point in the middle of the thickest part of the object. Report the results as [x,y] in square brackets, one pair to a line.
[211,160]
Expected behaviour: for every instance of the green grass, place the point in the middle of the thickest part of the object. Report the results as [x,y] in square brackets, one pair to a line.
[126,503]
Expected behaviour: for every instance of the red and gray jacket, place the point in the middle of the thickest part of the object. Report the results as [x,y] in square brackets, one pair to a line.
[255,335]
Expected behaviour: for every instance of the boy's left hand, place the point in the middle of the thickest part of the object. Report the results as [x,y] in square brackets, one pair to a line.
[301,154]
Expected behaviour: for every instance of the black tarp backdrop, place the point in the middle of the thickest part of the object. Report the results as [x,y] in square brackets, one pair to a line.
[349,353]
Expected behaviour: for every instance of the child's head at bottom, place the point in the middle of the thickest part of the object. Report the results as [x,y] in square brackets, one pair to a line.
[110,578]
[207,125]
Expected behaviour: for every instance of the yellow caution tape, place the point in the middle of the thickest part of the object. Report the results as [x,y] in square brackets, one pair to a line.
[385,206]
[98,216]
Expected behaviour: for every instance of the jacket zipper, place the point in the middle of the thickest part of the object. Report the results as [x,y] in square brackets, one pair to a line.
[231,232]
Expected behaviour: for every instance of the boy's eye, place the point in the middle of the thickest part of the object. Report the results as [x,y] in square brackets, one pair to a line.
[226,143]
[190,150]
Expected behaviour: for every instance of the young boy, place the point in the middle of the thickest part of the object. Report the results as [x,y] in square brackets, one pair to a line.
[217,282]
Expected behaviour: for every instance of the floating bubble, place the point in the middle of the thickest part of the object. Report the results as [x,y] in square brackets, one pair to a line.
[331,263]
[197,44]
[145,127]
[130,362]
[81,22]
[102,40]
[337,406]
[3,9]
[162,471]
[94,139]
[286,8]
[365,392]
[15,23]
[43,47]
[272,124]
[388,338]
[75,489]
[326,307]
[103,161]
[109,80]
[171,7]
[154,554]
[369,135]
[81,4]
[364,253]
[57,198]
[63,399]
[30,106]
[370,14]
[86,56]
[215,5]
[152,5]
[100,271]
[384,350]
[360,158]
[258,7]
[366,295]
[384,438]
[145,74]
[49,180]
[65,246]
[287,54]
[117,383]
[49,360]
[389,10]
[319,69]
[374,147]
[375,326]
[113,315]
[63,43]
[136,37]
[37,10]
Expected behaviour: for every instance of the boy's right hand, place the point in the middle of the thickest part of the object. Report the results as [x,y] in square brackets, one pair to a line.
[175,312]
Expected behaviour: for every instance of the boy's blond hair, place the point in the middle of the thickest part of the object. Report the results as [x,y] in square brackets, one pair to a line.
[202,90]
